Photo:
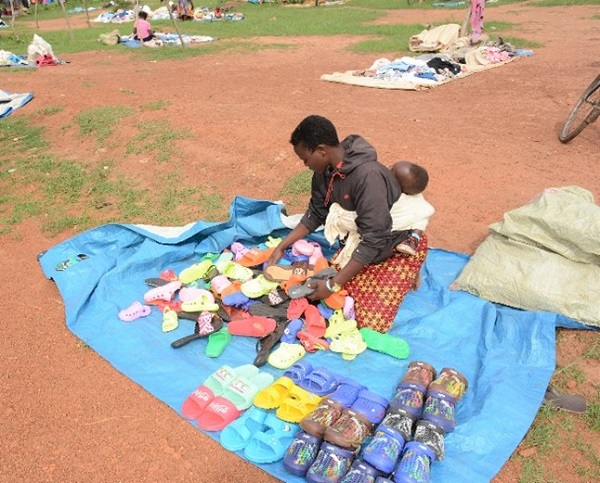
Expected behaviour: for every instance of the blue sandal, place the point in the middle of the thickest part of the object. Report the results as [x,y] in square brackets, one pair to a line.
[270,444]
[236,435]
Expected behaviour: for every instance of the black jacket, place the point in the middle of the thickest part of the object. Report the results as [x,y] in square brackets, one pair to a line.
[360,184]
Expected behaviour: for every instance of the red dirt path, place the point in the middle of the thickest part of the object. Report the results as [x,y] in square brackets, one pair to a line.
[489,142]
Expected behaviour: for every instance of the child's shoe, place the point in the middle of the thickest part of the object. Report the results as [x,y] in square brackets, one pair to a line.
[384,449]
[361,472]
[331,464]
[301,454]
[409,245]
[415,465]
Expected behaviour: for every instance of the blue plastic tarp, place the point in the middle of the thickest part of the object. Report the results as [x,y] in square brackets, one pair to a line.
[507,355]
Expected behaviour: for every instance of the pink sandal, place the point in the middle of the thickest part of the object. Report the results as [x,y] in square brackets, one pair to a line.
[134,311]
[164,292]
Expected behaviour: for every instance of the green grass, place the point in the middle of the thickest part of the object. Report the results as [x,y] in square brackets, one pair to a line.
[158,137]
[298,184]
[18,136]
[155,105]
[50,110]
[101,122]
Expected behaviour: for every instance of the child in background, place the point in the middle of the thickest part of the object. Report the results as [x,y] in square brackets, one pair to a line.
[142,30]
[413,180]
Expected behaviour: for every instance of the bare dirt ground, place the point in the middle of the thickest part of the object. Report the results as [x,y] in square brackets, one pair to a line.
[489,142]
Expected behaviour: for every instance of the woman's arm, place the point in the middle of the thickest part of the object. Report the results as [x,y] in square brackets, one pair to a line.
[300,231]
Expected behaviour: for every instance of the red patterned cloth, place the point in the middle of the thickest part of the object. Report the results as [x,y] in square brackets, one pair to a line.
[378,290]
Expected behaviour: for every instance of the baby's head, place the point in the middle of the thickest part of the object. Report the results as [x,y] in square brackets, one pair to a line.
[412,178]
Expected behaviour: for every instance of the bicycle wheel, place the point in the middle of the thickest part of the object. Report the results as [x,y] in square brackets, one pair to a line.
[585,112]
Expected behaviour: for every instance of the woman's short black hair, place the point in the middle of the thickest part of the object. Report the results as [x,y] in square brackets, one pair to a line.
[142,14]
[315,130]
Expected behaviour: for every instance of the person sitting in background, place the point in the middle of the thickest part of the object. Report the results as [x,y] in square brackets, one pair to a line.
[142,30]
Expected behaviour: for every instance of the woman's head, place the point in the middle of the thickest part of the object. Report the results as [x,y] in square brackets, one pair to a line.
[315,139]
[142,15]
[315,130]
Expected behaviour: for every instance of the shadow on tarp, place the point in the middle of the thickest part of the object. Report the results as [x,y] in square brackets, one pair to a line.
[508,355]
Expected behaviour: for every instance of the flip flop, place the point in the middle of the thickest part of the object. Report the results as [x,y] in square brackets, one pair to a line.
[204,327]
[283,273]
[271,397]
[236,398]
[265,345]
[567,402]
[156,281]
[134,312]
[286,355]
[312,343]
[237,435]
[296,308]
[217,341]
[270,444]
[213,386]
[385,343]
[321,381]
[299,404]
[275,297]
[314,322]
[260,309]
[256,256]
[253,326]
[302,289]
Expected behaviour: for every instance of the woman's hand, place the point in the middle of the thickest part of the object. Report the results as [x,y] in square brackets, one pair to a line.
[276,255]
[321,292]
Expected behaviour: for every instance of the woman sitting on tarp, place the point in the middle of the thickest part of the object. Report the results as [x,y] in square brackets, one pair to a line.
[348,174]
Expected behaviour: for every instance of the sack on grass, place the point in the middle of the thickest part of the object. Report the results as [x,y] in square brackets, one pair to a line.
[39,48]
[543,256]
[111,38]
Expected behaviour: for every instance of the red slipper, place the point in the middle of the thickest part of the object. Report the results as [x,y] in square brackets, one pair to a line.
[297,308]
[254,326]
[312,343]
[314,321]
